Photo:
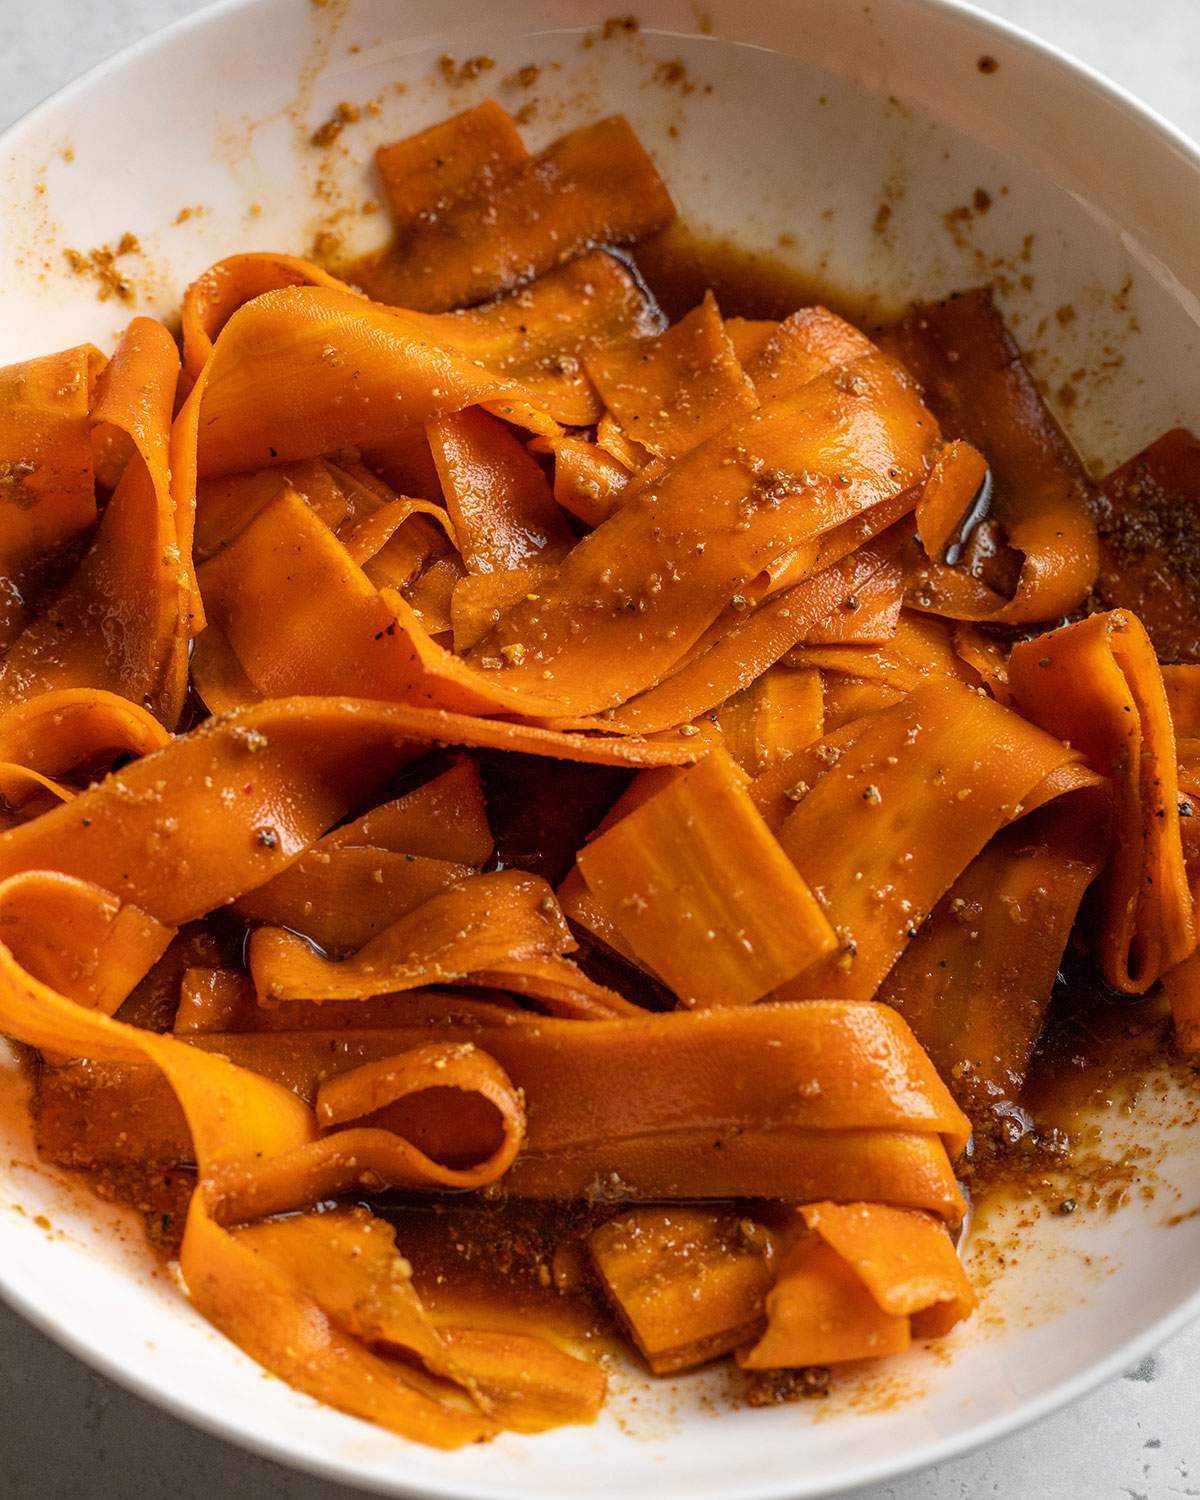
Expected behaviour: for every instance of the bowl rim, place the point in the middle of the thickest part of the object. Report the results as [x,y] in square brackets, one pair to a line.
[177,1403]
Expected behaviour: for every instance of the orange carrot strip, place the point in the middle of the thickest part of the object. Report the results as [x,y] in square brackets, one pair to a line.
[689,1284]
[672,392]
[527,1383]
[1182,986]
[905,1259]
[213,1000]
[862,1282]
[445,818]
[922,646]
[481,921]
[225,505]
[781,712]
[457,158]
[987,656]
[480,599]
[979,389]
[372,1155]
[498,498]
[77,938]
[802,347]
[588,482]
[77,730]
[365,539]
[257,1301]
[613,440]
[425,607]
[122,622]
[212,299]
[749,335]
[46,470]
[348,1263]
[975,982]
[943,757]
[295,767]
[224,1000]
[820,1312]
[746,649]
[700,889]
[342,898]
[869,613]
[1098,684]
[217,675]
[594,186]
[559,986]
[945,499]
[613,1106]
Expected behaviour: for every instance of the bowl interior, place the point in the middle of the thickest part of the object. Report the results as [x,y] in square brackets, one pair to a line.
[869,148]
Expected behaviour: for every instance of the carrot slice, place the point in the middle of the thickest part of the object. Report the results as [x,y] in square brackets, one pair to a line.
[861,1283]
[595,186]
[942,757]
[46,470]
[945,500]
[526,1382]
[689,1284]
[701,890]
[471,926]
[212,299]
[457,158]
[588,482]
[123,621]
[480,599]
[979,389]
[498,498]
[224,506]
[1098,684]
[975,999]
[613,1106]
[76,731]
[802,347]
[341,898]
[672,392]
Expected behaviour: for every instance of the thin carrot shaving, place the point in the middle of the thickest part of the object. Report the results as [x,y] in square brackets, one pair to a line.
[426,173]
[945,501]
[123,621]
[498,498]
[518,218]
[672,392]
[680,552]
[1031,876]
[469,927]
[689,1284]
[1098,685]
[1149,525]
[700,889]
[942,757]
[979,389]
[603,1116]
[47,470]
[860,1280]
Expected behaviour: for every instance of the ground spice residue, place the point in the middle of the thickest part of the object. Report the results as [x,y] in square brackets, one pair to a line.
[100,263]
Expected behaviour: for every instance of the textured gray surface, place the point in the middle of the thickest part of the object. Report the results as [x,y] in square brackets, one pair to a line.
[67,1433]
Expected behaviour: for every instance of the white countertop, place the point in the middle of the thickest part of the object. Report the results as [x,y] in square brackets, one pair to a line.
[66,1432]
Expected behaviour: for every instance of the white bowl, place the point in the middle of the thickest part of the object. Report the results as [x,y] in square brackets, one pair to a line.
[816,115]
